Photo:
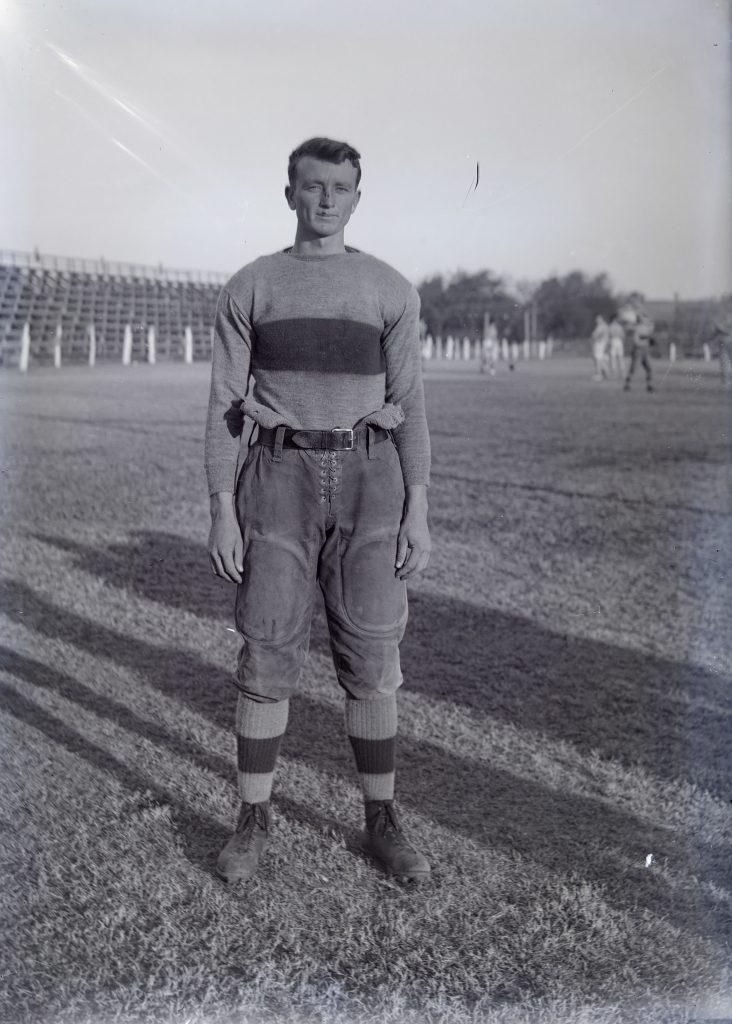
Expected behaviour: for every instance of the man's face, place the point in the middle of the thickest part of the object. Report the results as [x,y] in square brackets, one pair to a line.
[324,195]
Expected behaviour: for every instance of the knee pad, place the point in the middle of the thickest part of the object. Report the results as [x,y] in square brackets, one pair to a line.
[270,672]
[366,666]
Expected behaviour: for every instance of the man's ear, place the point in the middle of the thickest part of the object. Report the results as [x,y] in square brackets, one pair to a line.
[356,198]
[289,197]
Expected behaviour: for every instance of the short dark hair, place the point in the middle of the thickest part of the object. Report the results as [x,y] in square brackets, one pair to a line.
[324,149]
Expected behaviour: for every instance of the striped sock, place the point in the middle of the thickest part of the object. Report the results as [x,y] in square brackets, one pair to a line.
[259,731]
[371,726]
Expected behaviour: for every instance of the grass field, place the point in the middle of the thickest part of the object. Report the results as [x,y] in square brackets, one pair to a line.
[566,715]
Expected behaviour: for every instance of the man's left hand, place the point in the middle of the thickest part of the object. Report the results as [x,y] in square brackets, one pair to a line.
[414,545]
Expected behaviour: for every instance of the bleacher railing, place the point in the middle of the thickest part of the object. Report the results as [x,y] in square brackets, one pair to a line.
[108,268]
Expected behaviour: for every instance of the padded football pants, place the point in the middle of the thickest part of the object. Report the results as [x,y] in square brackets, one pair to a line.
[330,517]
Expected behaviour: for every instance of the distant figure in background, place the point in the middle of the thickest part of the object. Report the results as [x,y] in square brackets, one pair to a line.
[514,355]
[639,326]
[723,336]
[600,342]
[489,350]
[616,332]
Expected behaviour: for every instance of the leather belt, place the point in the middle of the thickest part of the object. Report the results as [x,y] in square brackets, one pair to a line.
[340,439]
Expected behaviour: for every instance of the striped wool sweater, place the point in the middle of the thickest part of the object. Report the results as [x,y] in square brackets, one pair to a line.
[327,340]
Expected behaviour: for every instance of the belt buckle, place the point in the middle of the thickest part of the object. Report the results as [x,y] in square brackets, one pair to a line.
[345,430]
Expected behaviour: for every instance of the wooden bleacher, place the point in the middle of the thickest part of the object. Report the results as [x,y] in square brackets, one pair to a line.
[48,291]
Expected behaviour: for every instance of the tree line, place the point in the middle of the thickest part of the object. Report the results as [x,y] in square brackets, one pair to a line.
[564,307]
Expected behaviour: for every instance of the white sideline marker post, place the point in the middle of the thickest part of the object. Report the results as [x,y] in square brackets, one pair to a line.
[25,340]
[92,335]
[188,346]
[127,346]
[57,346]
[151,345]
[707,352]
[672,352]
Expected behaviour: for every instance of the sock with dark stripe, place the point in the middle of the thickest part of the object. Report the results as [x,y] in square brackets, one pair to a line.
[371,726]
[259,731]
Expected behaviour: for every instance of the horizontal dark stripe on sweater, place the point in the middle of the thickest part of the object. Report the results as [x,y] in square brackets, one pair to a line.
[374,757]
[318,345]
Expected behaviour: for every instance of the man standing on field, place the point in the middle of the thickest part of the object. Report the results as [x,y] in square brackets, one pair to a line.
[334,488]
[616,333]
[600,341]
[640,327]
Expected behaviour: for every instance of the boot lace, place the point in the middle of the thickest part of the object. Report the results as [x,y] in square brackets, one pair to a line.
[384,822]
[251,817]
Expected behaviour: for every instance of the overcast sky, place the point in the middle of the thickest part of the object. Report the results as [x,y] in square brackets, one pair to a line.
[153,130]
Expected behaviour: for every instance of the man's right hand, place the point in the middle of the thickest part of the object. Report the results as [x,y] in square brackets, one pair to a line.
[225,545]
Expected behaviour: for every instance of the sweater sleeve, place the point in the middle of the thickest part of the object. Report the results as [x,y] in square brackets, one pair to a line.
[404,386]
[229,380]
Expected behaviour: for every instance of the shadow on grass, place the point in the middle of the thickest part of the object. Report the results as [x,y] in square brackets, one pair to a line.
[560,831]
[670,718]
[203,835]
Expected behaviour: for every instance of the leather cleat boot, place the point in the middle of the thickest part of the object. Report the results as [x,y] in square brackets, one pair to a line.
[384,840]
[239,858]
